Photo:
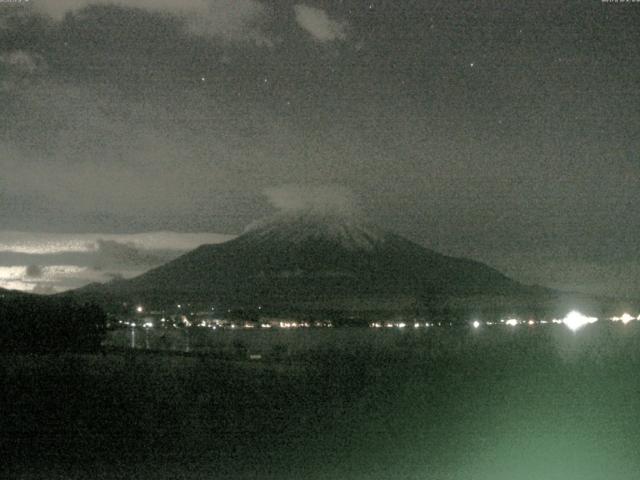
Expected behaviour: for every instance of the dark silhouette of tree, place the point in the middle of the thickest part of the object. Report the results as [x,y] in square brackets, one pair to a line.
[50,325]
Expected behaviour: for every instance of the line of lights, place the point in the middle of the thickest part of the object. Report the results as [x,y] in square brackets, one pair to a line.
[574,320]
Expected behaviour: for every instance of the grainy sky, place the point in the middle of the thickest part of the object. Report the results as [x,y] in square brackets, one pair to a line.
[502,131]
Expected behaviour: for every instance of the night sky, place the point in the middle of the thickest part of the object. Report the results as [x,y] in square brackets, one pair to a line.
[507,131]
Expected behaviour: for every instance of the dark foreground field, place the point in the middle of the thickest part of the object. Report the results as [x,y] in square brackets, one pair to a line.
[496,403]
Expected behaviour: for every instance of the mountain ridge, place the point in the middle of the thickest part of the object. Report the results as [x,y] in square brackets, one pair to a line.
[311,259]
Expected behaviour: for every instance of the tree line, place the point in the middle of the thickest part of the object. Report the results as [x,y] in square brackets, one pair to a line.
[30,324]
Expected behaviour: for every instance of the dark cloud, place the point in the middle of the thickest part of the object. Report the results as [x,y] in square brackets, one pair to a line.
[34,271]
[233,20]
[18,69]
[20,61]
[110,253]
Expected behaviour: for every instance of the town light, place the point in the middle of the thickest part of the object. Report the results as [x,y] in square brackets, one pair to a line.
[575,320]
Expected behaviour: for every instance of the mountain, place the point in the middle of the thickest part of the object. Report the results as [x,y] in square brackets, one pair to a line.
[312,261]
[9,294]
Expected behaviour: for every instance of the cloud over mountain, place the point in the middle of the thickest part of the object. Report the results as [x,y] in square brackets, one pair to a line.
[321,199]
[319,25]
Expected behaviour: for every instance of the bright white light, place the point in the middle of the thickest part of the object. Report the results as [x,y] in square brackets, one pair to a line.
[148,325]
[476,324]
[626,318]
[512,322]
[402,325]
[531,322]
[575,320]
[139,309]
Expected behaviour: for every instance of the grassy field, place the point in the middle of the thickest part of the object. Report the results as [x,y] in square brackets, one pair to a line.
[493,403]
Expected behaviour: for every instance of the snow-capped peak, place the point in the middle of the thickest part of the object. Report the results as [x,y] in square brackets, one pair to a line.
[345,231]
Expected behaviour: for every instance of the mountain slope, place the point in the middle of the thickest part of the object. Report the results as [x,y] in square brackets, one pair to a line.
[4,293]
[306,258]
